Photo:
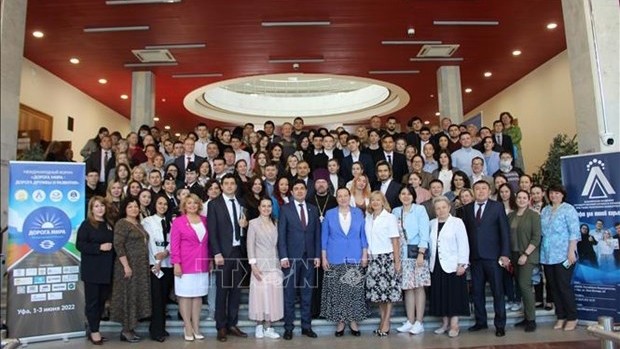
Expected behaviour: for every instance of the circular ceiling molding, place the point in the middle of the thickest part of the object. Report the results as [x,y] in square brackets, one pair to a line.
[318,98]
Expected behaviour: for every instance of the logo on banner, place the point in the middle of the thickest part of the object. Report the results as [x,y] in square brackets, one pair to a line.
[597,185]
[47,229]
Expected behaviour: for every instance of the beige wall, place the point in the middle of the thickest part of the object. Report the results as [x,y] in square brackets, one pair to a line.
[47,93]
[543,103]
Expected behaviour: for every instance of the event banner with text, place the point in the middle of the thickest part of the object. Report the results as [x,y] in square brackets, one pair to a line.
[46,207]
[592,182]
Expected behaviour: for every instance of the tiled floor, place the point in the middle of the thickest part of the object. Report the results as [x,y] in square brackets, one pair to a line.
[544,337]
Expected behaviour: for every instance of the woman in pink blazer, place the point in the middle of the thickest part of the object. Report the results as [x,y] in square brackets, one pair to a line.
[189,255]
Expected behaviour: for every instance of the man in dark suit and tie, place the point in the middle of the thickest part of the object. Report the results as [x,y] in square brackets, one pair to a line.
[397,161]
[225,225]
[502,140]
[386,184]
[102,160]
[353,143]
[489,244]
[187,157]
[299,248]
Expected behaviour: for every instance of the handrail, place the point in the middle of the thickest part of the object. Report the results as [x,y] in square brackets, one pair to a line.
[604,330]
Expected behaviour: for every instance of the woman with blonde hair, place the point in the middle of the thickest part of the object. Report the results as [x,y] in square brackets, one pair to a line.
[383,279]
[360,192]
[114,196]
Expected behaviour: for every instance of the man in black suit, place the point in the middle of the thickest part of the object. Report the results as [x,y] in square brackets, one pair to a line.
[386,184]
[187,157]
[299,248]
[225,225]
[353,143]
[397,161]
[483,133]
[303,173]
[102,160]
[504,141]
[170,189]
[191,181]
[489,245]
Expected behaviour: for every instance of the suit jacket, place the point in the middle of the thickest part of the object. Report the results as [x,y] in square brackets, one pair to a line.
[490,238]
[367,162]
[180,162]
[391,194]
[340,247]
[185,248]
[96,266]
[507,144]
[220,226]
[94,162]
[399,164]
[450,245]
[295,241]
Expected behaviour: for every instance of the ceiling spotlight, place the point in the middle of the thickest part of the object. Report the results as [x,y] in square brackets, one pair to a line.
[163,99]
[177,134]
[432,96]
[426,122]
[487,74]
[74,60]
[468,90]
[167,127]
[552,26]
[295,66]
[156,118]
[411,31]
[124,97]
[103,81]
[437,114]
[516,52]
[38,34]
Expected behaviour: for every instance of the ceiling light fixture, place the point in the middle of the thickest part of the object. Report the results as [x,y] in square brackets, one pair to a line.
[167,127]
[468,90]
[140,2]
[116,29]
[427,122]
[411,42]
[103,81]
[319,59]
[174,46]
[163,99]
[74,60]
[487,74]
[411,31]
[379,72]
[295,23]
[438,59]
[38,34]
[437,114]
[156,119]
[154,64]
[124,97]
[197,75]
[466,22]
[552,26]
[516,52]
[177,134]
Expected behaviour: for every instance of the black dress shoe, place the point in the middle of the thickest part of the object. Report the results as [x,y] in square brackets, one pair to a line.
[521,323]
[355,333]
[104,339]
[308,332]
[288,335]
[530,326]
[235,331]
[221,335]
[500,332]
[159,339]
[477,327]
[166,334]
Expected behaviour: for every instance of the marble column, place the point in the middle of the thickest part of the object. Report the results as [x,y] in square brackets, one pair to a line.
[142,99]
[12,34]
[449,95]
[594,71]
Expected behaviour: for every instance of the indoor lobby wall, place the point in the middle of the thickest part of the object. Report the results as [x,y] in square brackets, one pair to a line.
[47,93]
[543,103]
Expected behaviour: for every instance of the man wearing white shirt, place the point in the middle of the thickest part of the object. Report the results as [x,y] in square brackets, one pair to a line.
[200,148]
[240,154]
[477,166]
[462,158]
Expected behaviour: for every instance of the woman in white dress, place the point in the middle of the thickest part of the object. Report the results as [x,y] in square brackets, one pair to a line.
[189,254]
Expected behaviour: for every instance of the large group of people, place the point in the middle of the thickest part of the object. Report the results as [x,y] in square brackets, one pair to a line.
[327,218]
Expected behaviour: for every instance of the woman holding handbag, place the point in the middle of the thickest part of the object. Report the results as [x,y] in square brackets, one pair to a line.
[414,226]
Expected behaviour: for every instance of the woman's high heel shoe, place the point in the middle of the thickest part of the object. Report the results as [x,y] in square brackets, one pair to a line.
[559,324]
[355,333]
[187,338]
[131,339]
[90,338]
[199,336]
[570,325]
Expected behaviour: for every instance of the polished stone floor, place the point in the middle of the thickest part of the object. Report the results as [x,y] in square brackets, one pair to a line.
[544,337]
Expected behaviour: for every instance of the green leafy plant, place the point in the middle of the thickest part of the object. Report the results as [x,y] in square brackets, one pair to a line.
[550,172]
[34,153]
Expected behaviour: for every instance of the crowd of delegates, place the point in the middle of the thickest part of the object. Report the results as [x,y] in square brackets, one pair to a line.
[346,219]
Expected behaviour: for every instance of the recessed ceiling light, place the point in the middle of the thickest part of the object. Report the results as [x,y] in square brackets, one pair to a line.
[437,113]
[38,34]
[74,60]
[426,122]
[124,97]
[468,90]
[432,96]
[103,81]
[552,25]
[487,74]
[177,134]
[516,52]
[156,119]
[167,127]
[163,99]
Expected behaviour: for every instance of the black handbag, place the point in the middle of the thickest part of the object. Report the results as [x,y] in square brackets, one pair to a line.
[412,250]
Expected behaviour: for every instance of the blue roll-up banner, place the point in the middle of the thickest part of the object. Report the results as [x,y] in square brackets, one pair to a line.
[46,207]
[593,185]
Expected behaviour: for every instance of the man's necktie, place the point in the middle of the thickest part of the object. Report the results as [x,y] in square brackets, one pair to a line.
[479,213]
[302,214]
[236,220]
